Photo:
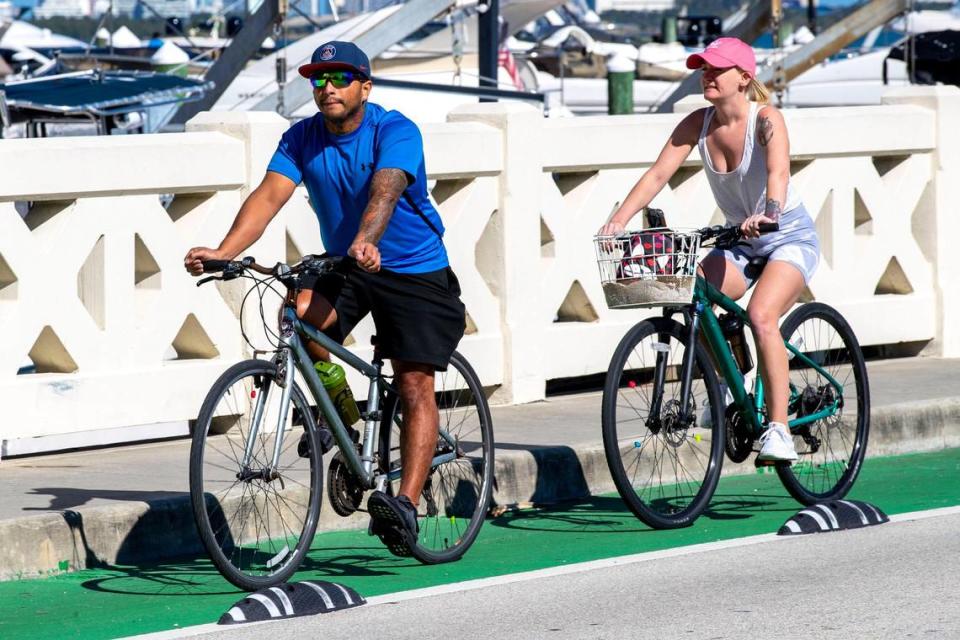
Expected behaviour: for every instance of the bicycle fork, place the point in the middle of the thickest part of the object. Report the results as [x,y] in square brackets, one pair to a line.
[654,421]
[285,371]
[686,382]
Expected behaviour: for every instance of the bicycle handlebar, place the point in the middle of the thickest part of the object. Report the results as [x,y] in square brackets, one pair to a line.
[310,264]
[729,236]
[213,266]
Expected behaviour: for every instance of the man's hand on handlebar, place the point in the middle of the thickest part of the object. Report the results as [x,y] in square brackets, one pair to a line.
[366,254]
[193,262]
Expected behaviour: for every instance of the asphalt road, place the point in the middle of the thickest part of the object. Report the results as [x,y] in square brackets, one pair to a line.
[897,580]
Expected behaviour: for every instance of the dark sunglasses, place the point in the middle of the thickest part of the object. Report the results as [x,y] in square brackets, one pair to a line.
[338,79]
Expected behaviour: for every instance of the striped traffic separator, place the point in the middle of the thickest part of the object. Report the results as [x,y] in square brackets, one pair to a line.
[835,515]
[292,600]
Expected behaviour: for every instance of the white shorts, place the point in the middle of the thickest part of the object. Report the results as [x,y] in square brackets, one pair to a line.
[795,243]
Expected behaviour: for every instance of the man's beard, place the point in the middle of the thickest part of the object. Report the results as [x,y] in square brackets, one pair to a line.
[347,115]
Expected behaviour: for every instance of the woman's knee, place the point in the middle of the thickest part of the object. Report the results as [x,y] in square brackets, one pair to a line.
[765,321]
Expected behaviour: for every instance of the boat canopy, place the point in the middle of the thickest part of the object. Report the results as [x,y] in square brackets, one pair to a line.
[101,93]
[94,95]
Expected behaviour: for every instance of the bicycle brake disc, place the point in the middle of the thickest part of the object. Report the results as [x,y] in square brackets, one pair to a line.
[739,441]
[344,492]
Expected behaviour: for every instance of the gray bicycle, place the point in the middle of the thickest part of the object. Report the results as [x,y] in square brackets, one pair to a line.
[256,462]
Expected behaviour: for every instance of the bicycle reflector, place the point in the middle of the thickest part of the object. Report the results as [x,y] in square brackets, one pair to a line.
[835,515]
[305,598]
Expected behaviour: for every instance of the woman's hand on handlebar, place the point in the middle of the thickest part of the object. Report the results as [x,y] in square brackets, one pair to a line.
[193,262]
[611,229]
[751,226]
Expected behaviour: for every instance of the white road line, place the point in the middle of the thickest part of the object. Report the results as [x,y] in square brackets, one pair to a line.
[580,567]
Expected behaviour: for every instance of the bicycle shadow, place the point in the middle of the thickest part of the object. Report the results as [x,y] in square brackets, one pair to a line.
[608,514]
[743,506]
[142,564]
[596,514]
[197,576]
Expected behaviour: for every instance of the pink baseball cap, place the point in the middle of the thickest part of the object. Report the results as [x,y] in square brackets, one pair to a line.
[724,53]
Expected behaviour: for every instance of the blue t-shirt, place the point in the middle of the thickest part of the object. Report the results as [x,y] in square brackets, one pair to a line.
[337,171]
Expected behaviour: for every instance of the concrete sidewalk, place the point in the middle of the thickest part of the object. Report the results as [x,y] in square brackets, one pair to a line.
[130,504]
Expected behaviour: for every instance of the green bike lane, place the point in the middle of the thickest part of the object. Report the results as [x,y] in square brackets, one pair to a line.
[128,600]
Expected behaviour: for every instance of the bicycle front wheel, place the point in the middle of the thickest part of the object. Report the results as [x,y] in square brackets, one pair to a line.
[256,521]
[665,468]
[830,449]
[456,495]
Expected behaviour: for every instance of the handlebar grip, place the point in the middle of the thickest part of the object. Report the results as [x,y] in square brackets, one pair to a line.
[214,266]
[768,227]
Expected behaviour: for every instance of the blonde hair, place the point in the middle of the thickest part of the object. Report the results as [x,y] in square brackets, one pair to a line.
[757,92]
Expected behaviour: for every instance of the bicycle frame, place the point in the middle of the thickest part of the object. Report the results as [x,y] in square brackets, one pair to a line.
[703,318]
[293,356]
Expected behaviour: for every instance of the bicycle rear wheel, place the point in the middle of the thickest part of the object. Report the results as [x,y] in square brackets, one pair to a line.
[664,469]
[831,449]
[457,493]
[256,523]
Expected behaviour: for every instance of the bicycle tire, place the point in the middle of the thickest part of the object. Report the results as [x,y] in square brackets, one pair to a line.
[801,479]
[459,489]
[220,426]
[682,500]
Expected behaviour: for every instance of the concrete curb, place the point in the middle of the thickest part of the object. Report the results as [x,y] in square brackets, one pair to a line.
[138,532]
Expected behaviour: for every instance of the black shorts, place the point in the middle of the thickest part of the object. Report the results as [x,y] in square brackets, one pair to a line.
[418,316]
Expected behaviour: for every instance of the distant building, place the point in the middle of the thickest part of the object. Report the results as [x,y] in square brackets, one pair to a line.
[166,8]
[634,5]
[66,8]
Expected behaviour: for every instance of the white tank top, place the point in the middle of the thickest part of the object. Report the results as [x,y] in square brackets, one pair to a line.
[743,192]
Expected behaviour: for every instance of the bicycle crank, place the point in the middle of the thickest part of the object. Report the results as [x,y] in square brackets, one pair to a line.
[343,490]
[739,441]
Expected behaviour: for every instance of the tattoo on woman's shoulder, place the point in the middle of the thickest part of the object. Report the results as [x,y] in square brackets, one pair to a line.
[772,210]
[764,130]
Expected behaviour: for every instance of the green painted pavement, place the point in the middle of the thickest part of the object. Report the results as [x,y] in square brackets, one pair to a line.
[129,600]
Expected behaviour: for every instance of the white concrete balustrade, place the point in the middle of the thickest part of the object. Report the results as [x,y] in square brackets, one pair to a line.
[123,345]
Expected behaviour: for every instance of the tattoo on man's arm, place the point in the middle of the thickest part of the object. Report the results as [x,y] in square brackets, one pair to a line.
[772,210]
[386,187]
[764,130]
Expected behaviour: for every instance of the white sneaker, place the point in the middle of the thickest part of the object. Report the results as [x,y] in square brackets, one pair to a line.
[777,444]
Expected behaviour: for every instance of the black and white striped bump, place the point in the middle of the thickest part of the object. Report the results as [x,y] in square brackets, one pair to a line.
[305,598]
[835,515]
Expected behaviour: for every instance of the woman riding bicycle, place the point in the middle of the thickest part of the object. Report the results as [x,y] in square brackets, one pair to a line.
[751,186]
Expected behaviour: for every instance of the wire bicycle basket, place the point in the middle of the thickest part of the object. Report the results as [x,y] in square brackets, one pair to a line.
[648,268]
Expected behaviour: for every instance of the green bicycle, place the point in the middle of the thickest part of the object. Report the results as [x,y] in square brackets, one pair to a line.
[256,468]
[665,424]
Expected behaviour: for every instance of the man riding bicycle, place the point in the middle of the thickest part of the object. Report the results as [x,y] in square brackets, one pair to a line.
[363,168]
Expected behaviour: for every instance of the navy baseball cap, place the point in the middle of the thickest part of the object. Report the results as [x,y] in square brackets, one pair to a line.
[337,56]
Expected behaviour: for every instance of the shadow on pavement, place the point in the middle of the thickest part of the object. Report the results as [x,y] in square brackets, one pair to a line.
[62,498]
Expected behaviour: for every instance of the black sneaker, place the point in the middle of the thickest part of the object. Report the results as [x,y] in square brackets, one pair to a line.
[394,521]
[323,432]
[326,442]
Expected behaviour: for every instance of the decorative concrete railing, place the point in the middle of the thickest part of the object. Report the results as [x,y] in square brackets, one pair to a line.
[124,346]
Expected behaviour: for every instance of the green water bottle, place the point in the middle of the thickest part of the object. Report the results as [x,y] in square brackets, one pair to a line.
[334,380]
